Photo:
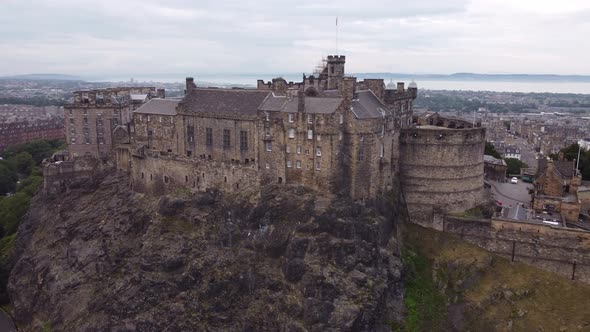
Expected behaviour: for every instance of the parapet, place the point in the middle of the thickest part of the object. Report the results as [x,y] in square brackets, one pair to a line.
[336,58]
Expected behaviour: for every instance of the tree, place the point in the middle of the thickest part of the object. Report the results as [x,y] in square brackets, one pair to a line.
[571,153]
[8,180]
[24,163]
[490,150]
[514,165]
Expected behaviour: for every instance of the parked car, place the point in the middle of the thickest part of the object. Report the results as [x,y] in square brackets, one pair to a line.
[514,180]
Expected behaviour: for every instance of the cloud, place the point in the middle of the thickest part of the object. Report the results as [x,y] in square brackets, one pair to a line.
[181,37]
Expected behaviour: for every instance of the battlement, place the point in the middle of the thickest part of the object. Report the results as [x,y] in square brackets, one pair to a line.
[336,58]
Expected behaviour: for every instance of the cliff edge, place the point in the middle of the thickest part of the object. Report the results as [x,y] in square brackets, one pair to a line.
[106,258]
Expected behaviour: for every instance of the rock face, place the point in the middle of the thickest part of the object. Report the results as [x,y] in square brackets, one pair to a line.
[110,259]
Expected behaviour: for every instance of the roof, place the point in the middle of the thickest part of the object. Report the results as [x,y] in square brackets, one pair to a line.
[491,160]
[512,150]
[159,106]
[223,101]
[139,97]
[273,103]
[314,105]
[368,106]
[564,167]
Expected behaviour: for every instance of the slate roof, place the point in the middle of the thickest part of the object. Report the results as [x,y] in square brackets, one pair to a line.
[368,106]
[491,160]
[223,101]
[159,106]
[314,105]
[138,97]
[273,103]
[512,150]
[564,167]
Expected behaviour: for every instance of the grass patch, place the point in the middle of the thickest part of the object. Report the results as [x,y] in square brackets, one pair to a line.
[491,289]
[425,304]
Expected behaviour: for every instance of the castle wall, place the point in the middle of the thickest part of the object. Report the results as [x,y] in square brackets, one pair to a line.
[441,170]
[159,173]
[162,128]
[79,172]
[564,251]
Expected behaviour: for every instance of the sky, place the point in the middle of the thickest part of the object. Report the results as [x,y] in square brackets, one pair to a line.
[127,38]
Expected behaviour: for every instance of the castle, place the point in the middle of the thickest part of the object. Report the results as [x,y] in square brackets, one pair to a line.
[329,132]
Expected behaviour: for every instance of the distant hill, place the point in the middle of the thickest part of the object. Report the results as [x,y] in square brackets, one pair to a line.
[479,77]
[43,77]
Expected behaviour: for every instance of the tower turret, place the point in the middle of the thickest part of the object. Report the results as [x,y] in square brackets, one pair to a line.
[335,67]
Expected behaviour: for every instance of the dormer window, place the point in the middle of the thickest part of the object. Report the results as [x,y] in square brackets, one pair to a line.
[291,117]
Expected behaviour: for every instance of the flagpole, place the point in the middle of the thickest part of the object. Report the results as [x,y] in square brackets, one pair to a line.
[337,35]
[578,160]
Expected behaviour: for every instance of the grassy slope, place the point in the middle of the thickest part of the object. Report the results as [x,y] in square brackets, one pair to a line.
[484,292]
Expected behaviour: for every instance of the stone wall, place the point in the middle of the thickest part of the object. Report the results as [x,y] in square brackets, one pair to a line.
[564,251]
[441,170]
[159,173]
[79,172]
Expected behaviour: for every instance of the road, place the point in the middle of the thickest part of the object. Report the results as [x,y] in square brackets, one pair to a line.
[6,324]
[527,154]
[513,196]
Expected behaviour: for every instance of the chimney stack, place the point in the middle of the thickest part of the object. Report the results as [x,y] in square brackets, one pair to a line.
[190,84]
[300,102]
[161,93]
[400,86]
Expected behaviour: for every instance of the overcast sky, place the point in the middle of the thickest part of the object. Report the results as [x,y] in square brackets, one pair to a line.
[180,37]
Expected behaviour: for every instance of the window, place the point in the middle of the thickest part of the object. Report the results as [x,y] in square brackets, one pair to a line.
[87,139]
[189,153]
[243,140]
[291,117]
[71,112]
[149,118]
[190,133]
[340,136]
[209,136]
[100,121]
[309,118]
[288,149]
[341,120]
[318,151]
[85,112]
[165,179]
[291,133]
[289,163]
[171,120]
[361,154]
[85,121]
[226,138]
[73,131]
[317,165]
[73,140]
[160,119]
[101,140]
[298,149]
[382,130]
[71,121]
[267,116]
[267,165]
[307,152]
[309,134]
[115,122]
[268,146]
[318,137]
[267,131]
[382,151]
[298,163]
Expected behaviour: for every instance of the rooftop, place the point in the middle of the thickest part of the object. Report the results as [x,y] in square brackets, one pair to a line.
[159,106]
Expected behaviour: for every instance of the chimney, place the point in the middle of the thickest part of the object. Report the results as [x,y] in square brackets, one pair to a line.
[190,84]
[300,102]
[400,86]
[161,93]
[348,88]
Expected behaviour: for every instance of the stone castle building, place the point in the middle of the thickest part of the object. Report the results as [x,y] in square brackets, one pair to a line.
[329,132]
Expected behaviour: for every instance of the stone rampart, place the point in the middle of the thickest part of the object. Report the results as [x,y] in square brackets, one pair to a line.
[560,250]
[79,172]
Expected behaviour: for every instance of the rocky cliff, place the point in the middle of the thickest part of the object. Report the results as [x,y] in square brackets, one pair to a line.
[285,259]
